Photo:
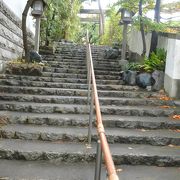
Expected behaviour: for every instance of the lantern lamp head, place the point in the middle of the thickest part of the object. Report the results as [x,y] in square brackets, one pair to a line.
[126,16]
[38,7]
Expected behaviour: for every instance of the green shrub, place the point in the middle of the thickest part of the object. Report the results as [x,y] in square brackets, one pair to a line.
[156,61]
[134,67]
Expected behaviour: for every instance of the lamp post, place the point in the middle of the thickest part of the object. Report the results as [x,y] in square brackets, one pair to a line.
[37,11]
[126,18]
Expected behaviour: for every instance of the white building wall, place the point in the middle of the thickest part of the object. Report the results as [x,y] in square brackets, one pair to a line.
[17,6]
[135,42]
[11,42]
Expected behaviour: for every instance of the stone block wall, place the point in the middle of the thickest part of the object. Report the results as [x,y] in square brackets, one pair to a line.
[11,43]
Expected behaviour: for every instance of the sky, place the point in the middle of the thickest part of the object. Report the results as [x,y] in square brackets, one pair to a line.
[94,5]
[150,14]
[105,3]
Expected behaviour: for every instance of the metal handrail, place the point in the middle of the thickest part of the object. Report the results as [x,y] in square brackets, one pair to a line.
[112,175]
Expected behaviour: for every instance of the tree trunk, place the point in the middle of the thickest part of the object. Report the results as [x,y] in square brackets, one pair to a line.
[48,28]
[24,30]
[101,25]
[154,38]
[142,29]
[157,11]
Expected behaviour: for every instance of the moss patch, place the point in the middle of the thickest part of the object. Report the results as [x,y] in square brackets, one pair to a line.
[19,67]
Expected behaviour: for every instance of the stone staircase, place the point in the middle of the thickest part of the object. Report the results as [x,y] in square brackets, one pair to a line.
[48,123]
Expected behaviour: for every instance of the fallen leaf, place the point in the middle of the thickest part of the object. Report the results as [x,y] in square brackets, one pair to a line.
[165,98]
[171,145]
[130,148]
[165,107]
[88,146]
[143,130]
[119,170]
[177,130]
[176,117]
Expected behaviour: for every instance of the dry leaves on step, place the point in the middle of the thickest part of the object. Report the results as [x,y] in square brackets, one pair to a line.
[171,145]
[177,130]
[167,107]
[176,117]
[163,98]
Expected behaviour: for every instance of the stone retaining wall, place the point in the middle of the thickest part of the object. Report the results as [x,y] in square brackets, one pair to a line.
[11,43]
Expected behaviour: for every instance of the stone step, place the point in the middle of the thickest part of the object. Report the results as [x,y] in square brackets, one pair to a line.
[79,76]
[53,79]
[17,170]
[61,80]
[72,92]
[80,71]
[13,82]
[82,120]
[79,134]
[76,152]
[152,111]
[80,60]
[83,100]
[69,75]
[83,63]
[103,68]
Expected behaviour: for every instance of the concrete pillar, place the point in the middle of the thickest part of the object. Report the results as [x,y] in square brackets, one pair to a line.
[172,71]
[37,34]
[124,42]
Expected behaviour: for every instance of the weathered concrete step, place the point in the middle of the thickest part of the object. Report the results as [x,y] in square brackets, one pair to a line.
[103,68]
[55,78]
[65,75]
[79,134]
[13,82]
[70,64]
[84,109]
[83,100]
[71,56]
[71,92]
[60,59]
[70,152]
[98,60]
[79,71]
[43,170]
[79,76]
[17,170]
[82,62]
[83,120]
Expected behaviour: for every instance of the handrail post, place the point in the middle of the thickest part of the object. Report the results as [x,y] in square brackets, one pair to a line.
[91,110]
[89,83]
[98,161]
